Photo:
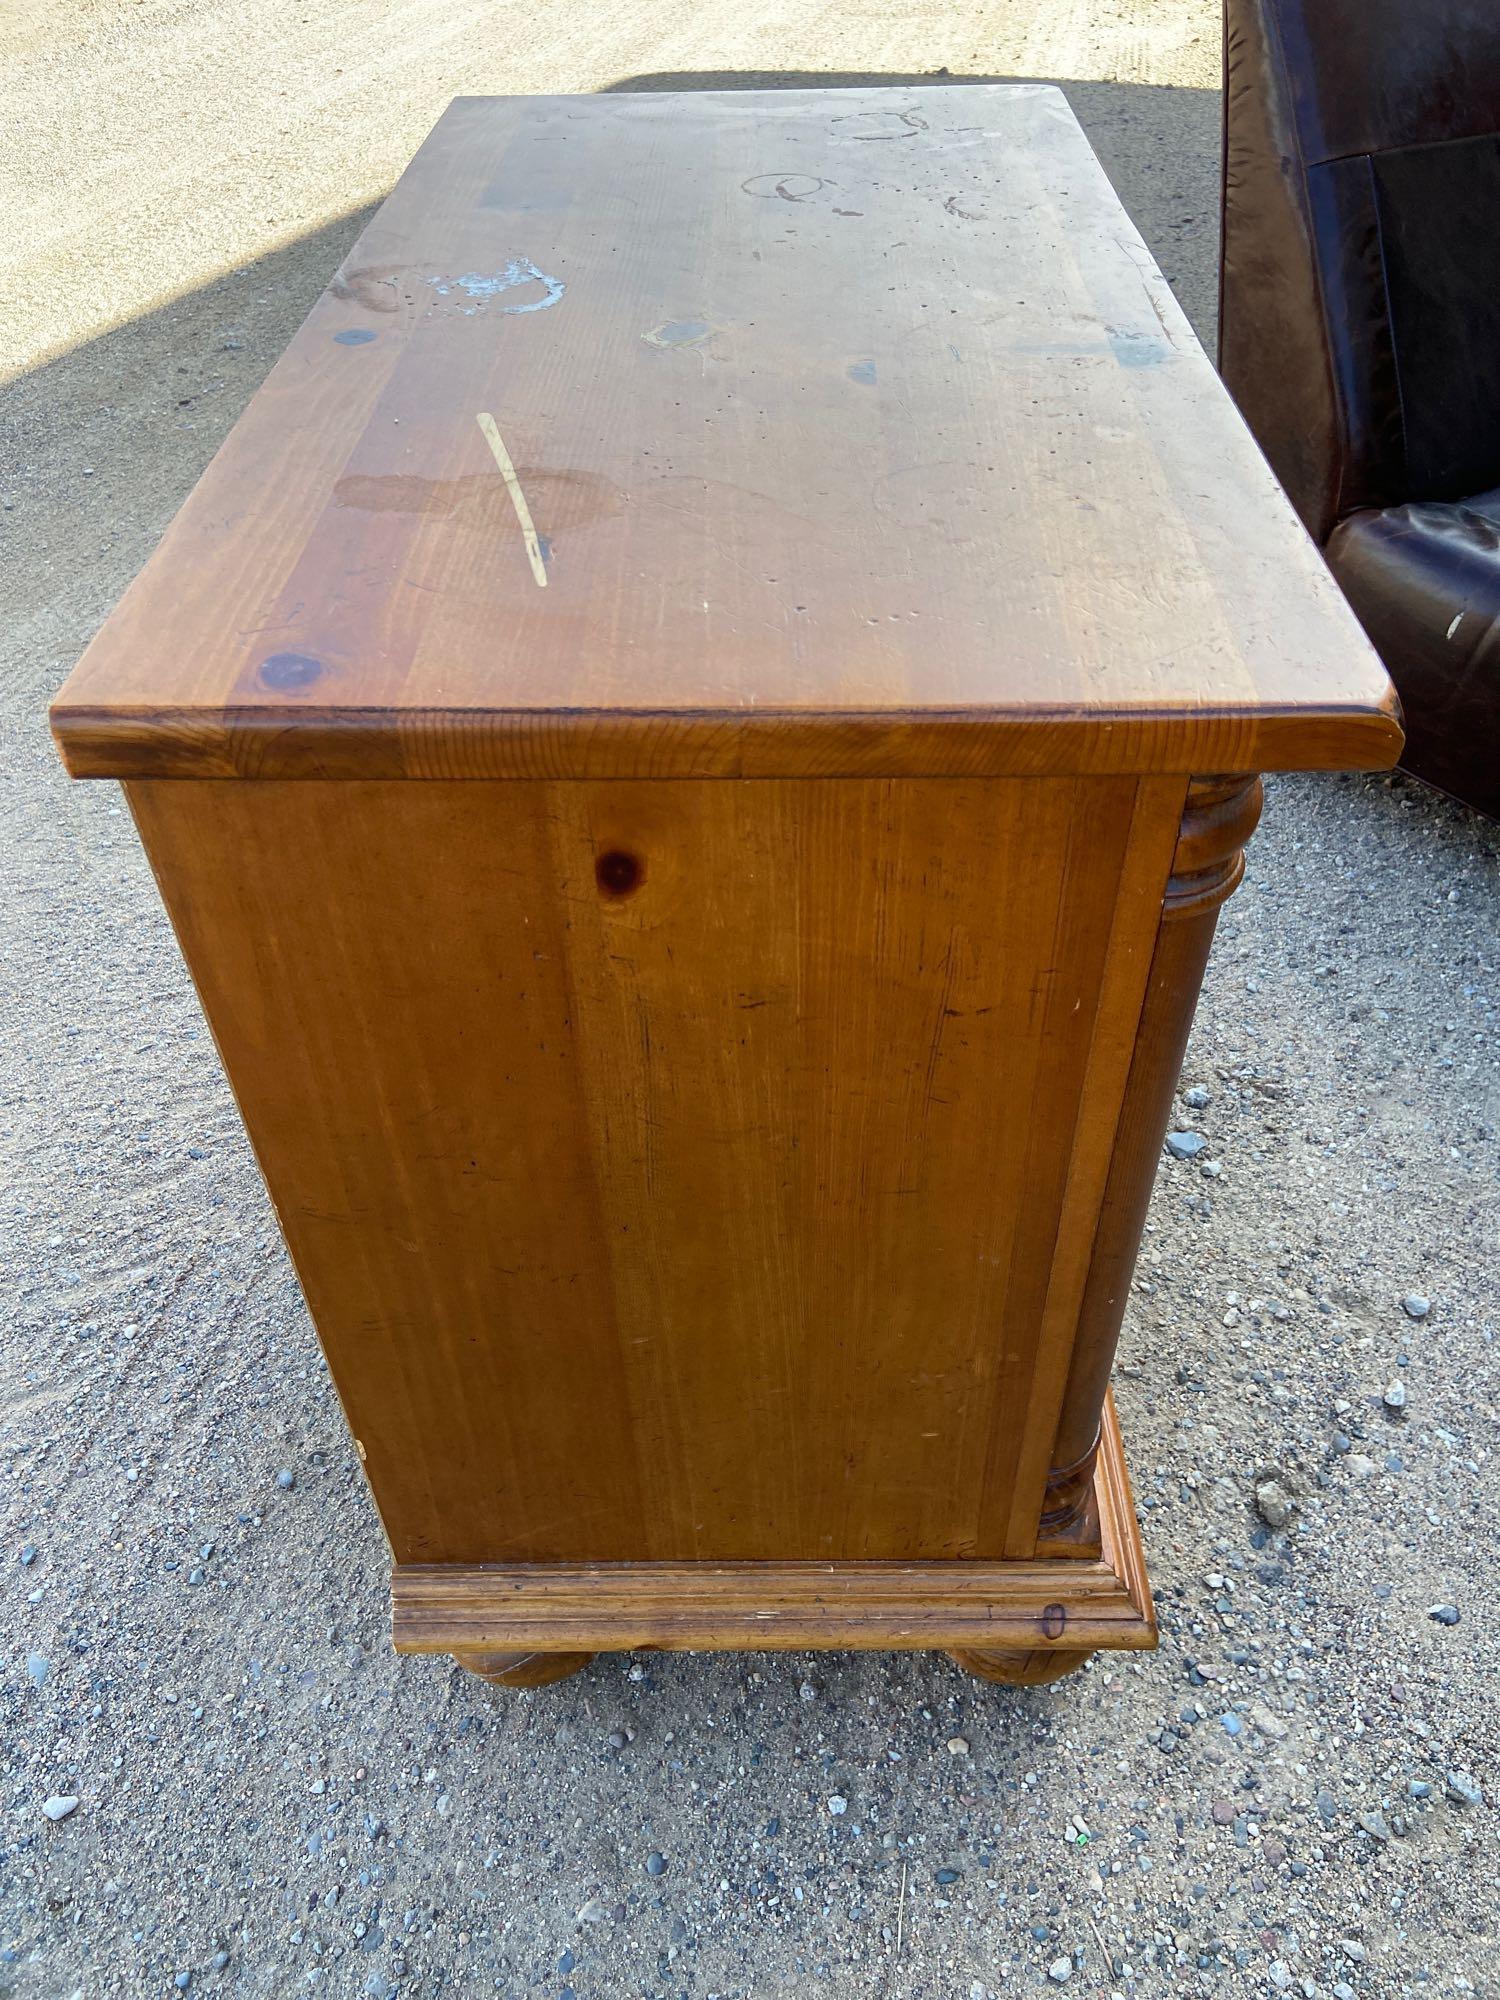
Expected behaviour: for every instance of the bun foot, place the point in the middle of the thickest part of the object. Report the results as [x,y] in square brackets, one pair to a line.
[1021,1669]
[522,1670]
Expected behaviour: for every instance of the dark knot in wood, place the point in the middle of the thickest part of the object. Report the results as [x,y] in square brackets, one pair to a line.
[618,872]
[1218,819]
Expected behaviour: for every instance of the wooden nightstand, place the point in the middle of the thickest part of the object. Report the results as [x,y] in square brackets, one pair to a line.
[693,737]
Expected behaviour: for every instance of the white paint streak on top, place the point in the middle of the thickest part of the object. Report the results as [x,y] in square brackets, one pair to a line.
[519,271]
[517,498]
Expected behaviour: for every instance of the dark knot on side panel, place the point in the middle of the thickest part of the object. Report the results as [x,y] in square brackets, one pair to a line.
[618,872]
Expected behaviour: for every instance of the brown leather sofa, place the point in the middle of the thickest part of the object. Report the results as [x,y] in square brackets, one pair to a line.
[1359,329]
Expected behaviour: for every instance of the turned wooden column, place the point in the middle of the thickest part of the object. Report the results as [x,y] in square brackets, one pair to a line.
[1219,817]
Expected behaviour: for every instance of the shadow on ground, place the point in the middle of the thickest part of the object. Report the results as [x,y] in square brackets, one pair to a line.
[153,396]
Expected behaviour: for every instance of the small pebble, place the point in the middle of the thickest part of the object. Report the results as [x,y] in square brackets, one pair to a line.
[838,1806]
[59,1806]
[28,1554]
[1415,1306]
[1230,1724]
[958,1746]
[286,1479]
[1198,1098]
[656,1864]
[1394,1394]
[1186,1145]
[1273,1503]
[1463,1789]
[38,1666]
[1374,1825]
[1443,1614]
[945,1876]
[1061,1969]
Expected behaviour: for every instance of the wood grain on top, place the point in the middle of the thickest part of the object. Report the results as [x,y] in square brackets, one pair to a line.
[801,433]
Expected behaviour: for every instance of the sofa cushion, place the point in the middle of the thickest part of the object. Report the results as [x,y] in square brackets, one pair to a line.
[1424,580]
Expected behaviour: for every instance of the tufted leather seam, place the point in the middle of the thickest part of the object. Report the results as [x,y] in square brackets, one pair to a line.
[1385,289]
[1272,17]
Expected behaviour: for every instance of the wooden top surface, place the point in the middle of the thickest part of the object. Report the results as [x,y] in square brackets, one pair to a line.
[737,433]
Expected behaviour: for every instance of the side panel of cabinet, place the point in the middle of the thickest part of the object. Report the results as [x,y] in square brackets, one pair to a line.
[682,1170]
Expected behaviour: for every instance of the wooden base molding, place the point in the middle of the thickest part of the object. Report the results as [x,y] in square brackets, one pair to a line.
[1021,1622]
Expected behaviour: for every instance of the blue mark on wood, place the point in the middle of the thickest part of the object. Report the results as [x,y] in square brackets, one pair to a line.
[481,288]
[1137,350]
[354,336]
[862,371]
[679,333]
[290,670]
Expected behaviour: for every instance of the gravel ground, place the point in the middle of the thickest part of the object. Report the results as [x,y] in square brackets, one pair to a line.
[1297,1793]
